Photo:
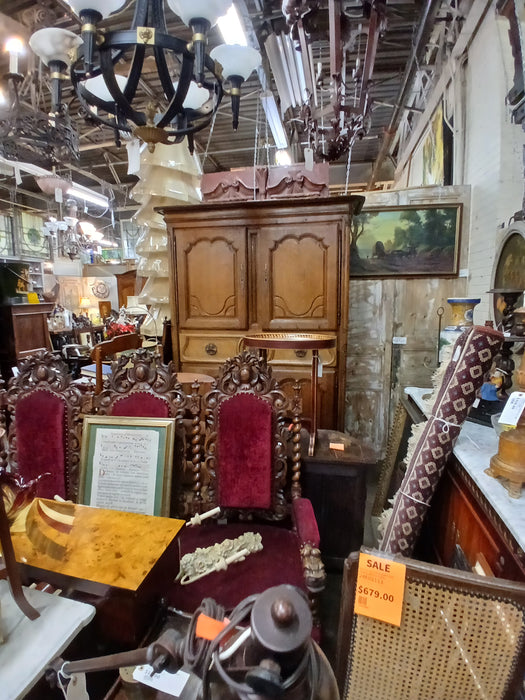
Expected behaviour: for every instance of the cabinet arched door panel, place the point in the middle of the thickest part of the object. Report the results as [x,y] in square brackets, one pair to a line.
[211,278]
[298,284]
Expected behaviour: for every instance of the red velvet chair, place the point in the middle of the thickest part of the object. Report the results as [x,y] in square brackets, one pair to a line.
[43,409]
[244,471]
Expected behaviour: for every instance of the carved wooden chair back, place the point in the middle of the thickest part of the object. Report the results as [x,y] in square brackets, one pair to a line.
[141,385]
[43,410]
[108,348]
[461,636]
[247,427]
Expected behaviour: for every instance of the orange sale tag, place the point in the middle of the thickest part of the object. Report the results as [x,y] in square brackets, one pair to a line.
[380,588]
[208,627]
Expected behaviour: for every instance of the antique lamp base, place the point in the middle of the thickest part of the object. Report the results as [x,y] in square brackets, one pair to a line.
[509,463]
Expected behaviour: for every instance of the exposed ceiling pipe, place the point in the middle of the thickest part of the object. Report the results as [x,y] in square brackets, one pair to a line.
[425,27]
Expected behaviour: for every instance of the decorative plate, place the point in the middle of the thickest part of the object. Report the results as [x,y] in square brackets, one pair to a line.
[100,290]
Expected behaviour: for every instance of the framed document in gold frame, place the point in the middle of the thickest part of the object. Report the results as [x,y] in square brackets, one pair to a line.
[126,463]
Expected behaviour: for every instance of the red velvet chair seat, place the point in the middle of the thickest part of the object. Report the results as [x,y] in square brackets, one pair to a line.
[43,407]
[278,562]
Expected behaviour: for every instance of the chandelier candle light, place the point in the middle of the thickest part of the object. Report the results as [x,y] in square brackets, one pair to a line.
[182,109]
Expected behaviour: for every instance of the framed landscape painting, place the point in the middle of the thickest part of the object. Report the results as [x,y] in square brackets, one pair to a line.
[406,241]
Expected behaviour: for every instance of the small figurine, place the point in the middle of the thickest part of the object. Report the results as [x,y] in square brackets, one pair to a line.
[490,389]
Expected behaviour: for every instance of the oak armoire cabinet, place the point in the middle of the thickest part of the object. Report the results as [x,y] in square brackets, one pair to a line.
[273,265]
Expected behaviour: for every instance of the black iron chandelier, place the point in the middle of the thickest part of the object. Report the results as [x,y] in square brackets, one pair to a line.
[28,133]
[192,80]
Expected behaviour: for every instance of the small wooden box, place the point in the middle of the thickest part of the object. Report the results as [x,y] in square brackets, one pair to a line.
[120,562]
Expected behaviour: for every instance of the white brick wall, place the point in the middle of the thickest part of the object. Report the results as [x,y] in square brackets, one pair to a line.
[493,153]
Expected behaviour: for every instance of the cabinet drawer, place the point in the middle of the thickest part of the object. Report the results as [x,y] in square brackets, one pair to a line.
[208,347]
[301,358]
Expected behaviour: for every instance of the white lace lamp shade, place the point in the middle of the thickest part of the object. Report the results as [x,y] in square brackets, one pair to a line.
[174,156]
[155,291]
[152,240]
[154,266]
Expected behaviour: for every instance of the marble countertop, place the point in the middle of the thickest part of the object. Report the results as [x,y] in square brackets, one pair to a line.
[24,656]
[474,447]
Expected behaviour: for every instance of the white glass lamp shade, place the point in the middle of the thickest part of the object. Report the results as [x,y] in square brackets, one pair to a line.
[195,97]
[210,10]
[103,7]
[236,59]
[54,44]
[87,228]
[97,86]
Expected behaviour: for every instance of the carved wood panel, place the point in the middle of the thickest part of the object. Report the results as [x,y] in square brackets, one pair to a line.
[306,298]
[211,268]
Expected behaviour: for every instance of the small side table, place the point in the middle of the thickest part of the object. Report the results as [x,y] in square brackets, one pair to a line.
[297,341]
[335,482]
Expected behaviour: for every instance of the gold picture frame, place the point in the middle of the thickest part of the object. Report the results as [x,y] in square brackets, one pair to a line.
[406,241]
[126,463]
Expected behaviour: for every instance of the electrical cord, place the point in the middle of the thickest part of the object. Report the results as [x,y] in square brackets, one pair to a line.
[238,614]
[307,668]
[195,649]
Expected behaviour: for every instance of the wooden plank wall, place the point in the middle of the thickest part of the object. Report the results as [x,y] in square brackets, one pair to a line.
[381,309]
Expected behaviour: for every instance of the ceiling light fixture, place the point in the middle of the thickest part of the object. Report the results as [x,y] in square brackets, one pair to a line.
[87,195]
[165,118]
[231,28]
[282,157]
[27,132]
[49,182]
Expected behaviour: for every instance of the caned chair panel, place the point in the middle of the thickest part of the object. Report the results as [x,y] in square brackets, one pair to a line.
[462,636]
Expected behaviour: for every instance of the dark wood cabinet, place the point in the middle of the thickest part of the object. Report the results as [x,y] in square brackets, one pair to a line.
[335,482]
[278,265]
[461,519]
[24,330]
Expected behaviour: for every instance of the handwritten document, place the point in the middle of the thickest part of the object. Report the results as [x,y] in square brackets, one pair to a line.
[125,470]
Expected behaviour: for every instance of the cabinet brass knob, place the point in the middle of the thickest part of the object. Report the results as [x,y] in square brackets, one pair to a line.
[210,349]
